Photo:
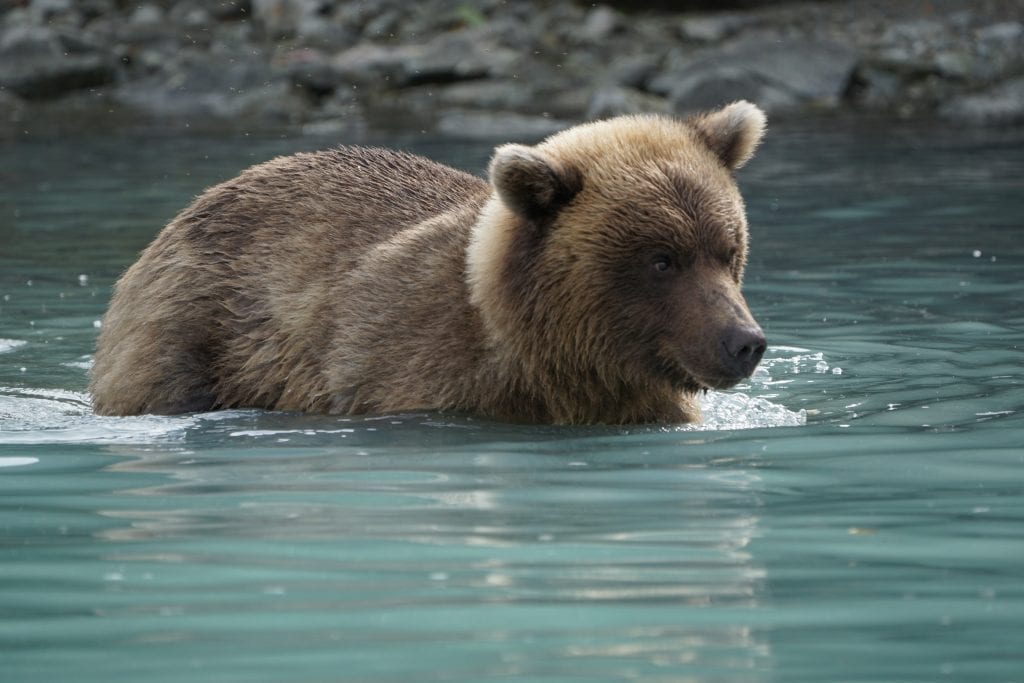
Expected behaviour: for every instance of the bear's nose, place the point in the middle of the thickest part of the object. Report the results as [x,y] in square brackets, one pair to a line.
[743,347]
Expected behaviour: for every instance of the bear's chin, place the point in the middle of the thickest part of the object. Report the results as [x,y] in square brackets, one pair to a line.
[687,382]
[681,380]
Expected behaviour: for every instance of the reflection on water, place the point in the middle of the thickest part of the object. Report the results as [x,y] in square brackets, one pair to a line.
[541,531]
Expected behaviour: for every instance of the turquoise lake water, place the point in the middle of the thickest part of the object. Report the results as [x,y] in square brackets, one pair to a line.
[855,512]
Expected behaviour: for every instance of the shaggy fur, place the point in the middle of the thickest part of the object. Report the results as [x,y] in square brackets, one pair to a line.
[596,279]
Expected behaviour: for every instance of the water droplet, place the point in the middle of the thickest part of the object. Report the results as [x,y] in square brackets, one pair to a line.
[821,366]
[837,371]
[97,324]
[83,280]
[976,253]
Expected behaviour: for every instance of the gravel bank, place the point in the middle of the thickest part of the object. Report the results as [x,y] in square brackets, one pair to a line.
[496,69]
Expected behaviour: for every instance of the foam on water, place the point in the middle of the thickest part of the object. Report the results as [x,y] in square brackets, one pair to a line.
[35,416]
[10,344]
[748,406]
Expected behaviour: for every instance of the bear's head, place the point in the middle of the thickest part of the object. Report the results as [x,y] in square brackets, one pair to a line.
[613,253]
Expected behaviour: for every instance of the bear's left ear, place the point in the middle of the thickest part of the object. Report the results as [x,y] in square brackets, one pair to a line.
[733,132]
[530,182]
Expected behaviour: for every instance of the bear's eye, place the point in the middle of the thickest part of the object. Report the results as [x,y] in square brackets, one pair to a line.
[662,263]
[729,256]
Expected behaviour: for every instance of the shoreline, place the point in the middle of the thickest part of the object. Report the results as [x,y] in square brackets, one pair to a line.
[493,69]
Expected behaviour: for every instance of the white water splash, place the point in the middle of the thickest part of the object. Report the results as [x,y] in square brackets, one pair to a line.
[17,462]
[740,411]
[10,344]
[37,416]
[742,408]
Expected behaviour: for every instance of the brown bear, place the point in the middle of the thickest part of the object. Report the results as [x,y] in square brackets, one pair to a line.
[595,279]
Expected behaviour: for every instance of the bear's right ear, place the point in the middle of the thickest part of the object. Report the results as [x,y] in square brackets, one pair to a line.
[733,132]
[530,182]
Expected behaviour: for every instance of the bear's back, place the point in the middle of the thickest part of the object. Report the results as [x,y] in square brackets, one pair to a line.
[343,201]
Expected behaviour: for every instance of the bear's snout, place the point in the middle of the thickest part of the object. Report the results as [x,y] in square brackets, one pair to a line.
[742,349]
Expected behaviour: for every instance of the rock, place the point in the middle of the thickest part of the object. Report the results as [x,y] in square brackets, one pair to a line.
[12,111]
[146,15]
[898,79]
[200,85]
[711,88]
[600,23]
[301,59]
[615,101]
[915,34]
[147,24]
[550,98]
[192,18]
[954,64]
[340,116]
[383,26]
[311,70]
[493,94]
[1002,33]
[635,72]
[1000,105]
[314,23]
[713,28]
[368,64]
[227,10]
[48,11]
[91,9]
[775,73]
[503,126]
[281,19]
[276,18]
[876,85]
[39,62]
[448,58]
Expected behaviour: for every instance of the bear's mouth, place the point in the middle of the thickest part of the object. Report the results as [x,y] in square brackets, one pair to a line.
[719,383]
[685,379]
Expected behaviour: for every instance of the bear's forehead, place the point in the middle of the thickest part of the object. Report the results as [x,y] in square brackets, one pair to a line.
[666,191]
[652,175]
[630,141]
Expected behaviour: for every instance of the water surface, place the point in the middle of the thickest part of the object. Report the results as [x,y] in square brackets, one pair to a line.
[853,513]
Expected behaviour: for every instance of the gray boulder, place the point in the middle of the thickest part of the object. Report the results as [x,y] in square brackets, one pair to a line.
[616,101]
[202,85]
[503,126]
[39,62]
[12,111]
[1000,105]
[776,73]
[448,58]
[712,28]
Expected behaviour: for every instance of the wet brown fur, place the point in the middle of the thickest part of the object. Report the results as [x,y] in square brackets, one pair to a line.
[365,281]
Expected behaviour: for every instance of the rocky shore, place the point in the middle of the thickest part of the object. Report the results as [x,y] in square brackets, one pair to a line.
[497,68]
